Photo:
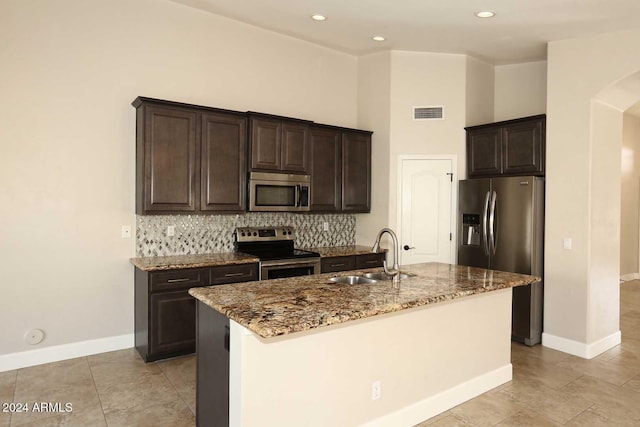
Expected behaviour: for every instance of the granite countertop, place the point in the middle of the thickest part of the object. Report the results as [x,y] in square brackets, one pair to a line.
[283,306]
[192,261]
[348,250]
[228,258]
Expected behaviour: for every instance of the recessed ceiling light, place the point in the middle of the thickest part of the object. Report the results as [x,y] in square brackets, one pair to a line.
[485,14]
[378,38]
[318,17]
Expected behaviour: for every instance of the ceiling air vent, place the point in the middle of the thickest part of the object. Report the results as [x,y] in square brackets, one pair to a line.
[428,113]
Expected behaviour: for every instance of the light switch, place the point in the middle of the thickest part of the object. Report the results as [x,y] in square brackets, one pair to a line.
[567,243]
[171,230]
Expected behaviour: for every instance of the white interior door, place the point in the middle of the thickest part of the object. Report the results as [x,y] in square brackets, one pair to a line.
[426,210]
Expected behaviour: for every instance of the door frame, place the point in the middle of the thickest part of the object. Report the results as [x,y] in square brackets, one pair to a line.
[454,197]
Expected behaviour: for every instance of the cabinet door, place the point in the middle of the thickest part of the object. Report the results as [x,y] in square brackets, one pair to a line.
[172,324]
[523,148]
[266,144]
[356,172]
[326,169]
[169,161]
[484,152]
[295,150]
[223,169]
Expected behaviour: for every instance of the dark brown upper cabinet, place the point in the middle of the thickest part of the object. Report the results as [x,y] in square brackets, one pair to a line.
[326,169]
[340,169]
[508,148]
[166,159]
[189,159]
[356,171]
[223,168]
[278,144]
[523,149]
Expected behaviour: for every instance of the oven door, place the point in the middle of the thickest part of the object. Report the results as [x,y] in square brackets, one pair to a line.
[276,269]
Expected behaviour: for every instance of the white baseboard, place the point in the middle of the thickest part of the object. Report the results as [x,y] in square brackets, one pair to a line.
[580,349]
[630,276]
[434,405]
[56,353]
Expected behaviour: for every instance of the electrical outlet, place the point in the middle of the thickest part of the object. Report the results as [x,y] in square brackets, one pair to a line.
[126,231]
[325,226]
[171,230]
[375,390]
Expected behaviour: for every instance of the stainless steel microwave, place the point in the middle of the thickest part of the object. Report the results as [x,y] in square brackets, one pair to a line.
[279,192]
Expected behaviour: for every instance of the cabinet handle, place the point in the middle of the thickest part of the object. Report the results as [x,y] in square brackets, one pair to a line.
[185,279]
[338,265]
[233,274]
[372,261]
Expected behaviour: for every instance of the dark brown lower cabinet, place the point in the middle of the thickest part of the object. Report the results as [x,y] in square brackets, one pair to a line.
[351,262]
[212,368]
[172,314]
[165,313]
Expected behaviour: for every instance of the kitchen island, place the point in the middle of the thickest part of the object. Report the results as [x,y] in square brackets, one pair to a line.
[306,351]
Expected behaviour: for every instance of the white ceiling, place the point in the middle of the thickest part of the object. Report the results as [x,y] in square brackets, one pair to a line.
[518,33]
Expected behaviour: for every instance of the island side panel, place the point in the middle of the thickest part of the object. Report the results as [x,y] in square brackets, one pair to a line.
[427,359]
[212,367]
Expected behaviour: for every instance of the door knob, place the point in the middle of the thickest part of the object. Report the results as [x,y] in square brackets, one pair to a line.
[407,247]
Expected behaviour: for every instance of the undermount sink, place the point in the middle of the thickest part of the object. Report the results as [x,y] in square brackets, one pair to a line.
[383,276]
[353,280]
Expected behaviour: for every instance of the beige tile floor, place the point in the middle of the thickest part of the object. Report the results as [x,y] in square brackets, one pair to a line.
[549,388]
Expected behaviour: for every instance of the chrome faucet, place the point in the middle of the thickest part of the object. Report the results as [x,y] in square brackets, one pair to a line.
[395,270]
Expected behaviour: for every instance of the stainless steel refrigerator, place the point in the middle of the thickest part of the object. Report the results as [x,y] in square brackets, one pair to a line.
[501,227]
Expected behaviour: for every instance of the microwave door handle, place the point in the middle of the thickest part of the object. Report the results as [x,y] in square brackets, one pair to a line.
[298,198]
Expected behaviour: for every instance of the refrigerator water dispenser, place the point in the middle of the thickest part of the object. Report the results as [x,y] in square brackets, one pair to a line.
[470,229]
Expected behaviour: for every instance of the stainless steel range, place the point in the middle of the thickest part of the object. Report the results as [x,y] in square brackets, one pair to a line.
[275,248]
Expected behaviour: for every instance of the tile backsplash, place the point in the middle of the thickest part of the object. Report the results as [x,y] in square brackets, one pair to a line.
[198,234]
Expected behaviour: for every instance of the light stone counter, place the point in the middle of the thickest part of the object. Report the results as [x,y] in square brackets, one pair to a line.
[331,251]
[192,261]
[282,306]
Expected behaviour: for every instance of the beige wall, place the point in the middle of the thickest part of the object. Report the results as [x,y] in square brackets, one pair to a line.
[520,90]
[629,197]
[391,84]
[583,189]
[374,107]
[425,79]
[480,94]
[70,70]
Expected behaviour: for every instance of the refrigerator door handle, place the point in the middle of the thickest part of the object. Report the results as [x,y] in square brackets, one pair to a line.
[493,238]
[485,213]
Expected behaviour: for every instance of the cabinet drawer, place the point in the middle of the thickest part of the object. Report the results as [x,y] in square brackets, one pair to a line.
[233,273]
[178,279]
[338,263]
[370,260]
